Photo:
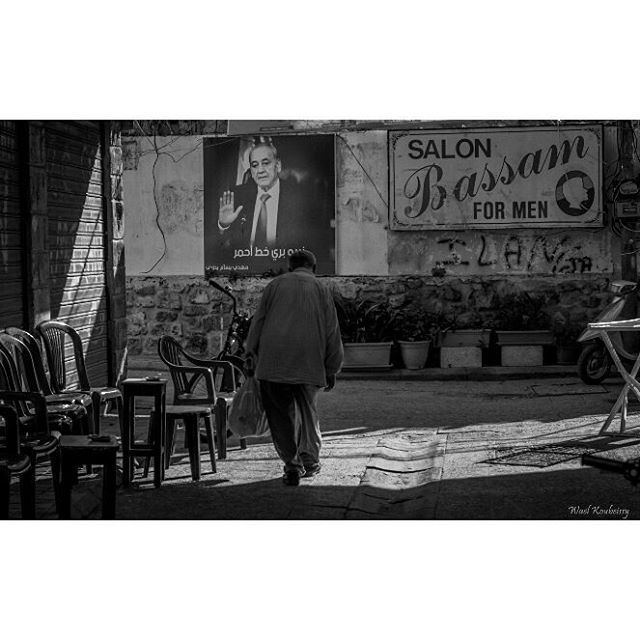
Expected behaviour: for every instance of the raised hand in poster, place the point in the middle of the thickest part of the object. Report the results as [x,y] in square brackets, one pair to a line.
[227,213]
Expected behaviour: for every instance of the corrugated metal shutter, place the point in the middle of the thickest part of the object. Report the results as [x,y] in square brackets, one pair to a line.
[11,265]
[76,237]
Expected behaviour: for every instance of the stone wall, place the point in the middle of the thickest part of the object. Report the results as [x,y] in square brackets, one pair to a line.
[198,315]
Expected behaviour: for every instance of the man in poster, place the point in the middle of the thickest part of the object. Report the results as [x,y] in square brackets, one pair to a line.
[253,227]
[266,210]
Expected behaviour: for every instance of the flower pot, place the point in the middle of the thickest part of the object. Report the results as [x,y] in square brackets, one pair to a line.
[367,355]
[414,354]
[523,348]
[465,338]
[539,337]
[463,347]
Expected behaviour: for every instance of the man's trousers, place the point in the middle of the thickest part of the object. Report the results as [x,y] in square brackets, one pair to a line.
[293,421]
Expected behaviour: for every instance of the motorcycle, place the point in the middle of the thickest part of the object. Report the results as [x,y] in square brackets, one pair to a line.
[594,362]
[233,350]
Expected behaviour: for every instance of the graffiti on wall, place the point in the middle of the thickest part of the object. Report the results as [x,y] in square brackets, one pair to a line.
[181,206]
[463,253]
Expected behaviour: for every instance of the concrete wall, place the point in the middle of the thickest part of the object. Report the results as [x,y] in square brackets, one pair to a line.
[163,183]
[456,271]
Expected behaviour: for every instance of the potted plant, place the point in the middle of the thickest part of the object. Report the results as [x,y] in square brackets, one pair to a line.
[521,325]
[414,330]
[366,327]
[462,341]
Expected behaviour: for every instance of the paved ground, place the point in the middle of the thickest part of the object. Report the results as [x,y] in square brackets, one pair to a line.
[402,448]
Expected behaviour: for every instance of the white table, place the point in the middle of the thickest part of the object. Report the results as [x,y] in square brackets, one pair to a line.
[630,378]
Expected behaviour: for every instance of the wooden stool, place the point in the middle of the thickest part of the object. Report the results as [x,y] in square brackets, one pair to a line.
[78,450]
[189,415]
[143,387]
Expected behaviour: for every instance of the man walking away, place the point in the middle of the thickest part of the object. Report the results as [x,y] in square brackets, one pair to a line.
[295,342]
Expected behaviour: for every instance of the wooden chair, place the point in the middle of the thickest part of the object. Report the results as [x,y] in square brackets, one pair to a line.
[39,430]
[40,381]
[53,335]
[14,463]
[188,372]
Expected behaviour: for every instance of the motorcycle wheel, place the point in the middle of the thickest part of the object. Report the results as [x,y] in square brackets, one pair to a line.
[594,363]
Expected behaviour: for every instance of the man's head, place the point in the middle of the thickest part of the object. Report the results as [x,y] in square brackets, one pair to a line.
[302,259]
[265,165]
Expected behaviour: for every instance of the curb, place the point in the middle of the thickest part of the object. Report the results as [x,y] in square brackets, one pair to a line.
[463,373]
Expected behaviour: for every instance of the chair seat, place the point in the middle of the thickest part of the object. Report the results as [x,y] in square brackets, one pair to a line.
[177,410]
[15,465]
[40,444]
[106,393]
[192,397]
[72,410]
[56,421]
[72,397]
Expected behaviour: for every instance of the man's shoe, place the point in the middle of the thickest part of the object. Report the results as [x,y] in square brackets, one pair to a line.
[312,470]
[291,478]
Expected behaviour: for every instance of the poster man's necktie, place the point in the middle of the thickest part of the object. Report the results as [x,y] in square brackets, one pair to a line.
[261,228]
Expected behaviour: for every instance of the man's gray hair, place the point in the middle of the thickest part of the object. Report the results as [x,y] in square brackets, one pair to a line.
[302,258]
[263,141]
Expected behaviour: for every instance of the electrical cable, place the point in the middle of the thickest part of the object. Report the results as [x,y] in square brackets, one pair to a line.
[155,200]
[340,137]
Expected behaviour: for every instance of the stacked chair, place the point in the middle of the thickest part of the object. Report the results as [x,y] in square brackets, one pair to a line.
[37,410]
[39,427]
[14,463]
[54,334]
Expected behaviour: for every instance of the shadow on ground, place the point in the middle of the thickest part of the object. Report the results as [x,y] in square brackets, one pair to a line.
[551,495]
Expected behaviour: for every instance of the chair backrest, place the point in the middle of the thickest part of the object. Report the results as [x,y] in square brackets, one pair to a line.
[53,335]
[32,344]
[10,378]
[170,353]
[24,363]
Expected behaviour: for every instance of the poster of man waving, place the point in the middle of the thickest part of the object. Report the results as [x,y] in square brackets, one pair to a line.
[266,197]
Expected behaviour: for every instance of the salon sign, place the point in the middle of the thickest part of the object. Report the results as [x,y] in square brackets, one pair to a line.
[495,178]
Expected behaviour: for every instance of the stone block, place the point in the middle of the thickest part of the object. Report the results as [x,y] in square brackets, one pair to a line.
[451,357]
[146,290]
[522,355]
[200,298]
[150,345]
[194,310]
[166,316]
[134,346]
[212,323]
[197,343]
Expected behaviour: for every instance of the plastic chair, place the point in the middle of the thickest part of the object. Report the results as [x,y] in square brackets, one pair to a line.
[28,379]
[40,381]
[53,335]
[188,372]
[14,463]
[39,430]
